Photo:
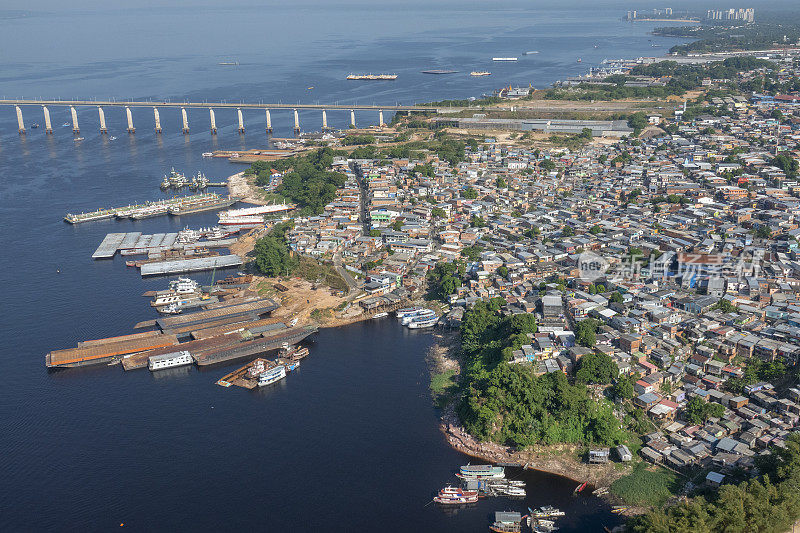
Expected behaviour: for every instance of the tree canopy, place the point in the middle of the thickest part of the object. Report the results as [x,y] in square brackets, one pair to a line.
[272,254]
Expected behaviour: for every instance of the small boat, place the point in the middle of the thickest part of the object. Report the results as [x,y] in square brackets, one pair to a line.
[112,138]
[65,125]
[504,59]
[77,139]
[207,154]
[34,125]
[579,60]
[515,492]
[380,315]
[546,511]
[480,73]
[618,509]
[531,52]
[580,487]
[600,491]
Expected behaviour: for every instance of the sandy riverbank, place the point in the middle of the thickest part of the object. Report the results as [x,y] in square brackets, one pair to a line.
[244,187]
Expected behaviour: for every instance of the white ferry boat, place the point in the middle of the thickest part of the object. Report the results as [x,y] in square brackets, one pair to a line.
[423,322]
[272,375]
[422,313]
[400,313]
[169,360]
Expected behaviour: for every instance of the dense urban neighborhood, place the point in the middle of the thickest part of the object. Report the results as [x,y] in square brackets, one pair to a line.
[630,289]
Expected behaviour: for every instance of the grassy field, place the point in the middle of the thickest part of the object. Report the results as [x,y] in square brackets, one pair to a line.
[646,485]
[443,385]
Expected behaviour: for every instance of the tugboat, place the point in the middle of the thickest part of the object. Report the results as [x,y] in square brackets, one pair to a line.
[456,496]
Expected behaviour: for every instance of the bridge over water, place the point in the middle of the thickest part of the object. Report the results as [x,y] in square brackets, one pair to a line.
[19,104]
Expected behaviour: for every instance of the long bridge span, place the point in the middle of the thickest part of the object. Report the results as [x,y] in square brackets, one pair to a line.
[19,104]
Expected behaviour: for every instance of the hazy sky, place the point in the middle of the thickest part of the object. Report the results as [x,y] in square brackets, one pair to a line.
[75,5]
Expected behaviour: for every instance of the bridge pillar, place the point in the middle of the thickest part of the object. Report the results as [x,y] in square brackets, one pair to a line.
[352,118]
[380,119]
[185,120]
[48,126]
[131,129]
[296,122]
[269,122]
[241,120]
[324,120]
[102,116]
[75,129]
[157,118]
[213,121]
[20,122]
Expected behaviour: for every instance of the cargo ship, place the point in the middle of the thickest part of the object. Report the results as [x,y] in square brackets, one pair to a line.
[209,203]
[439,71]
[372,77]
[480,73]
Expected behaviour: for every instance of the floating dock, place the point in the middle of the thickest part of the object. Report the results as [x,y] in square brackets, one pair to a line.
[190,265]
[135,243]
[109,246]
[104,350]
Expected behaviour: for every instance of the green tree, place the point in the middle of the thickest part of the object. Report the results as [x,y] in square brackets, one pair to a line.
[597,369]
[547,164]
[438,212]
[272,254]
[623,388]
[585,332]
[595,230]
[470,193]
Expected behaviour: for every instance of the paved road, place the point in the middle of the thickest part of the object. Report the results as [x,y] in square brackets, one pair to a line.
[352,284]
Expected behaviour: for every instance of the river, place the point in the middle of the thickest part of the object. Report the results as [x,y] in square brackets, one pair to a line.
[350,442]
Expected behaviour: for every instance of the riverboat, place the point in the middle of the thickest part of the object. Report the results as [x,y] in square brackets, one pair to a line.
[272,375]
[481,472]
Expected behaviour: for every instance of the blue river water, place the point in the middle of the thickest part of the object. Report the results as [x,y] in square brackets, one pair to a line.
[349,442]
